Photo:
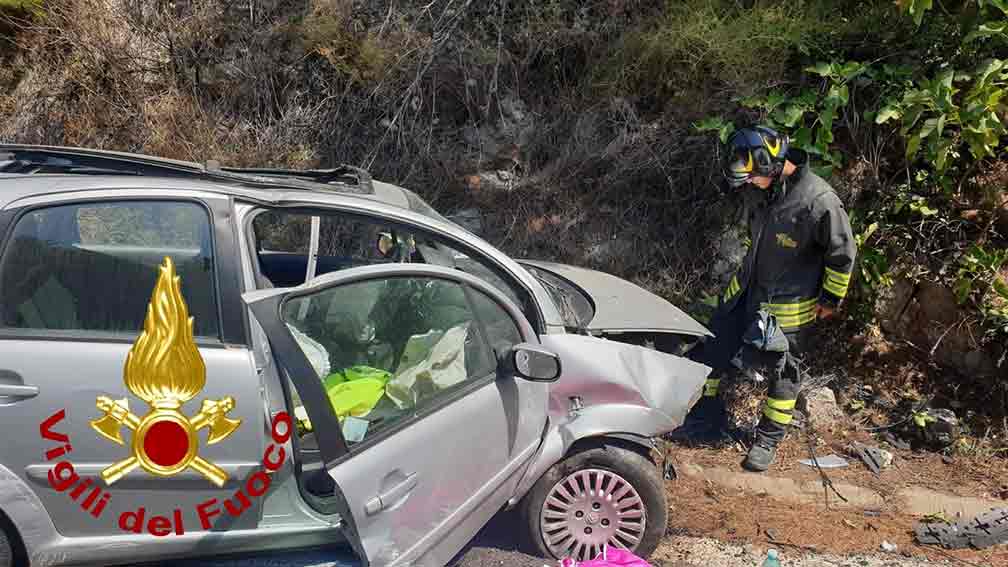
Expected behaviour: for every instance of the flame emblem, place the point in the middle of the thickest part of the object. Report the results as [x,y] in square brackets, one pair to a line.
[164,368]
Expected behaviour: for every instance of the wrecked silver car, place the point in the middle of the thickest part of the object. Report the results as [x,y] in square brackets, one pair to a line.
[213,361]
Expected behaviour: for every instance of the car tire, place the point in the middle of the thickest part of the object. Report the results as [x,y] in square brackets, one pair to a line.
[624,473]
[6,551]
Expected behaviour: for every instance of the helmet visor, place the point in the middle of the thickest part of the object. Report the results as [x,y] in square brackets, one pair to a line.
[738,167]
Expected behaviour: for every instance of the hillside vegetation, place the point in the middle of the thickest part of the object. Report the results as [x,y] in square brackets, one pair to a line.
[588,132]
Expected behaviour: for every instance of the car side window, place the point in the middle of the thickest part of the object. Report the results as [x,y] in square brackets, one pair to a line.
[282,241]
[387,348]
[501,331]
[91,266]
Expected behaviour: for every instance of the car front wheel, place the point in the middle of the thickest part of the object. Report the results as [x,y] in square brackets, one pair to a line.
[605,495]
[6,553]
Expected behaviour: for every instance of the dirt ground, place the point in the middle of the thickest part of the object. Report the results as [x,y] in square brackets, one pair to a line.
[701,508]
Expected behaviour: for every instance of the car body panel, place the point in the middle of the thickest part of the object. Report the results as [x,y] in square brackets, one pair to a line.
[620,389]
[621,305]
[458,463]
[628,392]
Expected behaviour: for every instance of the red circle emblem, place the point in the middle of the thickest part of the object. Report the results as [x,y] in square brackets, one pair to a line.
[166,443]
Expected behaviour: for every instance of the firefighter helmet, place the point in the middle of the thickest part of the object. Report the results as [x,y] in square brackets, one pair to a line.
[756,151]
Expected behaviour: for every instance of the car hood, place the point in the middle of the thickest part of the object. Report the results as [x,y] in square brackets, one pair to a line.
[621,305]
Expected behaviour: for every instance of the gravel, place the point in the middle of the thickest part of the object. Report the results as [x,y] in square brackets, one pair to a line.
[496,546]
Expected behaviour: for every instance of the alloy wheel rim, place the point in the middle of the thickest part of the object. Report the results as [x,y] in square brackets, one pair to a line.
[588,509]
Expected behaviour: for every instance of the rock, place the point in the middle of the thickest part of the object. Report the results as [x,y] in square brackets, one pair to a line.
[885,458]
[889,547]
[820,407]
[892,302]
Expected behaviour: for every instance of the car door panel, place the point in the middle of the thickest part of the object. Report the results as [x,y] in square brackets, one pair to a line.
[416,494]
[71,382]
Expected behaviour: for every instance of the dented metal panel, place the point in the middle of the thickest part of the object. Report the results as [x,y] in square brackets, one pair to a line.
[609,387]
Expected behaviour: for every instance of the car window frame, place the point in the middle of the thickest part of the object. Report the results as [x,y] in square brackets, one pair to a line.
[437,402]
[12,216]
[515,283]
[345,451]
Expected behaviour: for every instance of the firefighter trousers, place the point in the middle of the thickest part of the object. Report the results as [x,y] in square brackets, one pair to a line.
[726,351]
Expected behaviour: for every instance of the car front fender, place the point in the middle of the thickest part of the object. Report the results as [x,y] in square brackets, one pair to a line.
[609,388]
[636,424]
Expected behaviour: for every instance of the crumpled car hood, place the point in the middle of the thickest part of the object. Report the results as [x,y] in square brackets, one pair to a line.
[621,305]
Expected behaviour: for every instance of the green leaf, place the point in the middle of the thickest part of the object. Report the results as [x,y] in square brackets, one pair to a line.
[986,30]
[887,114]
[962,288]
[913,144]
[708,124]
[840,94]
[726,131]
[789,115]
[910,118]
[822,68]
[773,100]
[941,156]
[999,4]
[803,137]
[928,127]
[1000,286]
[851,69]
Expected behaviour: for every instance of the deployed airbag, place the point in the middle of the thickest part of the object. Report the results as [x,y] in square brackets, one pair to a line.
[430,362]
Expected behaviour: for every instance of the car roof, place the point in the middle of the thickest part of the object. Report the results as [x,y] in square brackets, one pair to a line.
[43,170]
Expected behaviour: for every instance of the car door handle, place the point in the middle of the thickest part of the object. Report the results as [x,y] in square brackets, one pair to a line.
[389,497]
[13,388]
[18,391]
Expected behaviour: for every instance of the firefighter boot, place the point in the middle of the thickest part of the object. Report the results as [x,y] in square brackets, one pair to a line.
[770,431]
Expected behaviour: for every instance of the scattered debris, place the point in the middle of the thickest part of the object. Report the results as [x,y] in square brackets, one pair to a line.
[935,428]
[849,524]
[889,547]
[873,513]
[832,461]
[979,532]
[890,438]
[874,458]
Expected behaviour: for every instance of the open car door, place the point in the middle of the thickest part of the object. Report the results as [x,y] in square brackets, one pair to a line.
[400,378]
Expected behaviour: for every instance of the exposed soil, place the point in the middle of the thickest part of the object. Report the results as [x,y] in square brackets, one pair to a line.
[704,509]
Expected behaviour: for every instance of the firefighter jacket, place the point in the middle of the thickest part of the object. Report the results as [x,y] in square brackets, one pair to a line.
[802,250]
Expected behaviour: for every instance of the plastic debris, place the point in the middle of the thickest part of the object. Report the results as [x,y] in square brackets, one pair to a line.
[986,530]
[895,441]
[828,462]
[874,458]
[889,547]
[772,559]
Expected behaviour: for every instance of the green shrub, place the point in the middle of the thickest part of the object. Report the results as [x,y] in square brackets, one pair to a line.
[697,41]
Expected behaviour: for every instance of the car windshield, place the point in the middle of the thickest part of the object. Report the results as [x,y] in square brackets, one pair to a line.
[575,306]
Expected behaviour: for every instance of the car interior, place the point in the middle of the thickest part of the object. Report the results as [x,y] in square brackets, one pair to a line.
[50,270]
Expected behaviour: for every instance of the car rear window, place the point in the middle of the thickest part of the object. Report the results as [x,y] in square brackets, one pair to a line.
[93,266]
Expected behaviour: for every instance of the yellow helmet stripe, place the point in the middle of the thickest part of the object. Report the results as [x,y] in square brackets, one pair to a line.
[774,149]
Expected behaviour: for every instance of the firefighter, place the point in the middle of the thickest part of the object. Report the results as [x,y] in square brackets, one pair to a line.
[796,272]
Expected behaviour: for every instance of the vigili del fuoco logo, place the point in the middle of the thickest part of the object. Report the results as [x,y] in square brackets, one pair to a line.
[164,368]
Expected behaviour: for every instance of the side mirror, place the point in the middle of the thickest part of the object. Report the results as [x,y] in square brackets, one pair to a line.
[534,363]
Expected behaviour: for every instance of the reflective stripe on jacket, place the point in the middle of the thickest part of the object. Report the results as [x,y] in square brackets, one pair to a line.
[802,250]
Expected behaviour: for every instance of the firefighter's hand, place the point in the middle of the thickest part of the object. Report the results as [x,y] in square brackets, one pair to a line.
[824,312]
